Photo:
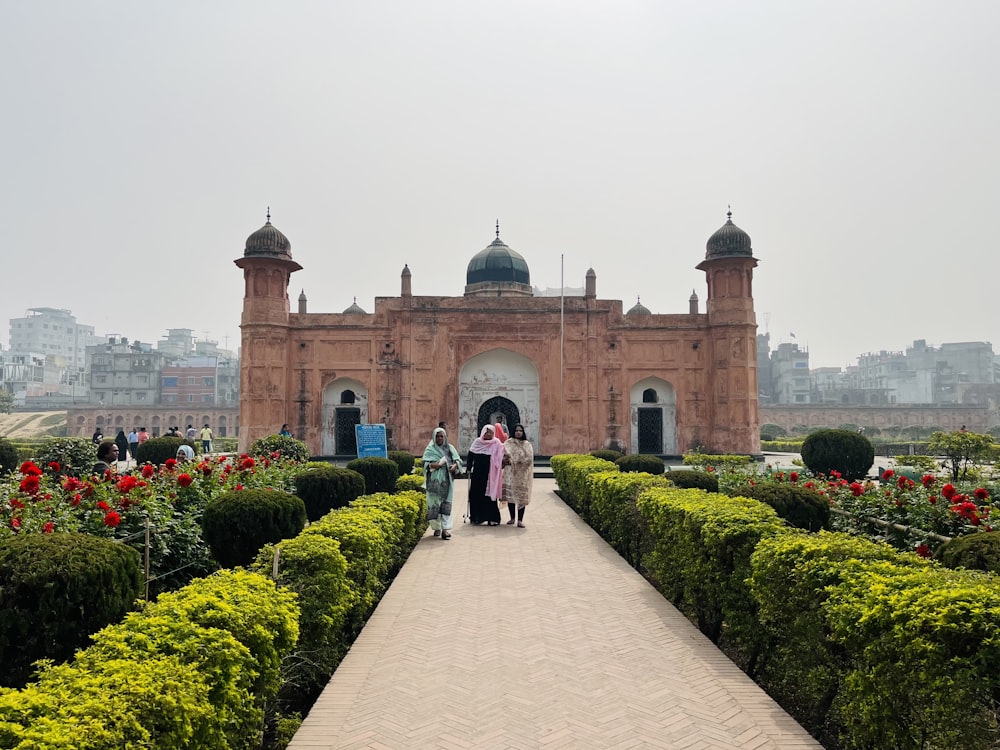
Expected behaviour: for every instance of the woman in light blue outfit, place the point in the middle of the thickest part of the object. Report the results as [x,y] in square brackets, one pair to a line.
[441,463]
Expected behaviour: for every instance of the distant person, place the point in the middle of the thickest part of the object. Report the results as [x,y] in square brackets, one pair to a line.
[122,442]
[284,431]
[97,437]
[107,457]
[206,439]
[191,433]
[185,453]
[143,435]
[133,443]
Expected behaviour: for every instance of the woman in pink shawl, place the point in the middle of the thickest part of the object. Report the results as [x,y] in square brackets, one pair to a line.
[485,477]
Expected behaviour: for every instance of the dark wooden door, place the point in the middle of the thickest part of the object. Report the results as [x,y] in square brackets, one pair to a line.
[651,431]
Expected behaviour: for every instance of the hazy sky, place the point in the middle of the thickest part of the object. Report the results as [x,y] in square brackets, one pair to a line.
[856,142]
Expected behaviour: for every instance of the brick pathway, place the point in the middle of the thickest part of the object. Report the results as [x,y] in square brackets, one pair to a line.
[541,637]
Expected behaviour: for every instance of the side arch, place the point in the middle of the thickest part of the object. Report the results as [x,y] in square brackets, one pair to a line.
[653,416]
[345,404]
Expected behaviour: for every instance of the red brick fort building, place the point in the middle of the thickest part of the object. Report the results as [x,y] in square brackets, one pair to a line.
[577,371]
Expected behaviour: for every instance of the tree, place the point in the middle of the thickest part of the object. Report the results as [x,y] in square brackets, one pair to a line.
[961,450]
[6,402]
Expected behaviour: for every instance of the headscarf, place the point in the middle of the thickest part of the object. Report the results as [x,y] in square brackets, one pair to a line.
[494,449]
[188,452]
[435,451]
[499,432]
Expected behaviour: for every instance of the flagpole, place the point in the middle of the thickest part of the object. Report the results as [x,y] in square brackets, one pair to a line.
[562,338]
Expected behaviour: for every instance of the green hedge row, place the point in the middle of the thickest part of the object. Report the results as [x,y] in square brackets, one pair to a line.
[864,645]
[196,669]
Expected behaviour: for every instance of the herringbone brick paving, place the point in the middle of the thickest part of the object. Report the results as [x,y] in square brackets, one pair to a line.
[541,637]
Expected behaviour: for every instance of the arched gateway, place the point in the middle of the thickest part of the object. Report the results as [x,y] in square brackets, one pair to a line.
[494,384]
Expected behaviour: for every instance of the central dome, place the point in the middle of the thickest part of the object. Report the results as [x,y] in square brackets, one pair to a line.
[497,262]
[496,270]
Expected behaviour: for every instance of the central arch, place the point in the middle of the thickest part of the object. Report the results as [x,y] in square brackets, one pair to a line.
[345,404]
[500,377]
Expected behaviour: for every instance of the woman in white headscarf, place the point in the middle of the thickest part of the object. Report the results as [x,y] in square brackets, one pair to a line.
[441,463]
[485,478]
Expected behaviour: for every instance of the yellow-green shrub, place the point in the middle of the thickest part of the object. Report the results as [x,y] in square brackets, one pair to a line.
[409,506]
[613,513]
[571,472]
[411,483]
[701,554]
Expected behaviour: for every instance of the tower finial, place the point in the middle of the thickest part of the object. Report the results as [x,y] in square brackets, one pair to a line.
[729,212]
[268,214]
[498,228]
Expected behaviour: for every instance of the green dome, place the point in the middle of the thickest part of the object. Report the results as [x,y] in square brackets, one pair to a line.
[728,241]
[497,263]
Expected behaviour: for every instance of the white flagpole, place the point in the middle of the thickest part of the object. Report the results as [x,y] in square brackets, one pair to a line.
[562,338]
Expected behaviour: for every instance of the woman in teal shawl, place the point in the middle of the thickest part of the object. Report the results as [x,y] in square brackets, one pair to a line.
[441,463]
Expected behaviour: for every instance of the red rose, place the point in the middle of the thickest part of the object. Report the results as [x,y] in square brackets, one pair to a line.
[981,494]
[889,473]
[927,479]
[29,485]
[148,470]
[112,519]
[76,499]
[239,486]
[794,476]
[48,527]
[856,489]
[246,463]
[170,463]
[29,468]
[948,491]
[923,550]
[932,499]
[54,467]
[184,480]
[101,505]
[15,523]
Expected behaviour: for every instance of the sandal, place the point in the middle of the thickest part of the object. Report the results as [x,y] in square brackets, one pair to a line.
[510,522]
[437,532]
[520,525]
[445,535]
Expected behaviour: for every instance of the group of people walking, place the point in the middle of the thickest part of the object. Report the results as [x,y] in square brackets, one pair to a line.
[501,469]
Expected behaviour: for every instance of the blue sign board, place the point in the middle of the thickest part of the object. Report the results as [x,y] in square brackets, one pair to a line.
[371,440]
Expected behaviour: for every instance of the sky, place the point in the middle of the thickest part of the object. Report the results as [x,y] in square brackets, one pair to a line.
[856,143]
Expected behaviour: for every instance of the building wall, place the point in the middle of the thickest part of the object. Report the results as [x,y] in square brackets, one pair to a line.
[416,361]
[945,417]
[82,422]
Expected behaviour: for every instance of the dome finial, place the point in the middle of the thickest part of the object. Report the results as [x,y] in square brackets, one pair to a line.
[268,214]
[498,228]
[729,212]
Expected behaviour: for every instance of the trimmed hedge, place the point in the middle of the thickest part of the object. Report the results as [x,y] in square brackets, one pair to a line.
[157,450]
[802,507]
[236,524]
[411,483]
[607,454]
[642,463]
[57,589]
[196,669]
[9,459]
[571,474]
[324,487]
[404,461]
[315,569]
[614,515]
[380,473]
[974,551]
[828,451]
[691,479]
[287,446]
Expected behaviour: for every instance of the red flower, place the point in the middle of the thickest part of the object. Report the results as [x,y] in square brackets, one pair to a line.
[72,484]
[15,523]
[932,499]
[276,454]
[184,480]
[101,505]
[948,491]
[794,476]
[112,519]
[981,494]
[15,503]
[927,479]
[709,469]
[267,462]
[48,527]
[29,468]
[29,485]
[54,467]
[239,486]
[76,500]
[856,489]
[206,469]
[148,470]
[126,483]
[809,485]
[923,550]
[246,463]
[170,463]
[887,475]
[835,474]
